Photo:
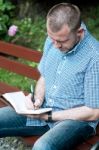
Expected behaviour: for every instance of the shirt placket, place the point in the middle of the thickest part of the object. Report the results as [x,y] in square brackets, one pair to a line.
[55,85]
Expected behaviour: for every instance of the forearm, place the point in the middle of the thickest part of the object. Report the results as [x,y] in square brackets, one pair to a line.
[81,113]
[40,89]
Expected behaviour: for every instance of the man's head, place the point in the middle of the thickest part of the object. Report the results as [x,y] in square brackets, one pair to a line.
[63,26]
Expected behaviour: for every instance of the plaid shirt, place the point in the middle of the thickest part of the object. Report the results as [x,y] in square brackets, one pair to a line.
[72,79]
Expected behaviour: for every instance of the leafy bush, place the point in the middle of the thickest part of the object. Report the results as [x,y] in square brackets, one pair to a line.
[91,18]
[5,16]
[30,33]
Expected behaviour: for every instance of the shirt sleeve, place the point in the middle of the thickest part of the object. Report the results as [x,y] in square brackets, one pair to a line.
[41,65]
[91,86]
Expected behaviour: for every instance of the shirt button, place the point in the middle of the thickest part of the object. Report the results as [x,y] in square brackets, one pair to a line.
[64,57]
[54,86]
[50,100]
[59,72]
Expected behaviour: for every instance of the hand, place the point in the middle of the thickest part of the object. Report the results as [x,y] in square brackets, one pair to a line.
[29,103]
[37,104]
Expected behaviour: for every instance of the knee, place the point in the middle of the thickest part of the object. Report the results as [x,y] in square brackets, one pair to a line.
[41,145]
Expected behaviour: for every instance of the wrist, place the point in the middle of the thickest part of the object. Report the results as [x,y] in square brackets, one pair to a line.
[44,116]
[49,116]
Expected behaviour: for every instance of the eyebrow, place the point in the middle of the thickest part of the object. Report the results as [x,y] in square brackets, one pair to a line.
[59,40]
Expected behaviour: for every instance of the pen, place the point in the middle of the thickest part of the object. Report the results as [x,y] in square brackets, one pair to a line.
[32,92]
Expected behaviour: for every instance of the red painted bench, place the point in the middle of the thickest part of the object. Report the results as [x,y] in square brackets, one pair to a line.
[9,51]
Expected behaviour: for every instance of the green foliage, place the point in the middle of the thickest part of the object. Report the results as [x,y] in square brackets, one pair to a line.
[5,15]
[30,33]
[91,18]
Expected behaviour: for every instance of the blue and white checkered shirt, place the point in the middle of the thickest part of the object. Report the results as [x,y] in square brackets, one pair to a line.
[72,79]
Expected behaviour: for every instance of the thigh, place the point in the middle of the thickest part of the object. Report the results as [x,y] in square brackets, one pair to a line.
[13,124]
[65,135]
[10,119]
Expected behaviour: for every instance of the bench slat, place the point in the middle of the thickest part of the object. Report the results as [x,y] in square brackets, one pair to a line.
[93,140]
[83,146]
[30,140]
[19,68]
[19,51]
[4,88]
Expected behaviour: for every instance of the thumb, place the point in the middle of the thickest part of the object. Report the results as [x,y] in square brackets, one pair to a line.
[37,103]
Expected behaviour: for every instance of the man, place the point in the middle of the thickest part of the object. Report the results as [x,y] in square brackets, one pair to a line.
[69,83]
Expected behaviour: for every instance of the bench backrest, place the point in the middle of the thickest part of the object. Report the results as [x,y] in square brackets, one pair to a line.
[16,51]
[10,55]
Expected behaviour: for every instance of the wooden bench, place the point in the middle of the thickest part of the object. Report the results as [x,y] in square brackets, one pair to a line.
[9,55]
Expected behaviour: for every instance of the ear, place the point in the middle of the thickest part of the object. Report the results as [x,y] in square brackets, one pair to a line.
[80,31]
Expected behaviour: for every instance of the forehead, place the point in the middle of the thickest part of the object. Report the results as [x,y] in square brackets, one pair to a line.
[61,34]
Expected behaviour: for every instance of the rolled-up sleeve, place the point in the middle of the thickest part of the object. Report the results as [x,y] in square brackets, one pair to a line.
[91,86]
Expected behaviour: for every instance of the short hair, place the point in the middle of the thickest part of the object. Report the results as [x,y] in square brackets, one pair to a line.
[64,14]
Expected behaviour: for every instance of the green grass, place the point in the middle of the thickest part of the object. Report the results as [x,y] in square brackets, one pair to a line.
[15,80]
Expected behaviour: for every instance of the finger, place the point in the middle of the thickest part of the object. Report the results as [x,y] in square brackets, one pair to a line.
[37,102]
[36,107]
[28,102]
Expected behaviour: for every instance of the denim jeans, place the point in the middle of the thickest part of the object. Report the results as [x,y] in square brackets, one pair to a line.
[12,124]
[64,136]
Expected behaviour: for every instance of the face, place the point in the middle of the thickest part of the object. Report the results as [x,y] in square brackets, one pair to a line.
[65,39]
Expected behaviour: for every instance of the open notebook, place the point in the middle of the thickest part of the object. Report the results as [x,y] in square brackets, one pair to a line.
[18,101]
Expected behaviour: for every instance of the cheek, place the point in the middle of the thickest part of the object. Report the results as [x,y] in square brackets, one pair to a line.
[67,44]
[72,43]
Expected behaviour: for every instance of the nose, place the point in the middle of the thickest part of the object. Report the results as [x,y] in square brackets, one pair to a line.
[57,44]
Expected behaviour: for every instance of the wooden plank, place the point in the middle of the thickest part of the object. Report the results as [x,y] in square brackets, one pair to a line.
[97,130]
[30,140]
[19,68]
[88,144]
[93,140]
[83,146]
[7,88]
[2,104]
[20,51]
